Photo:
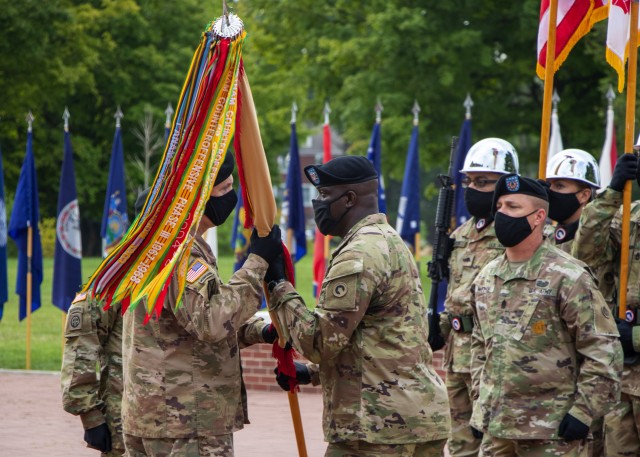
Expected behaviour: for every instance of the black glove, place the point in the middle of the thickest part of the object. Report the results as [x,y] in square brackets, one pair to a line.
[269,333]
[268,247]
[626,168]
[626,337]
[477,434]
[275,272]
[435,337]
[302,375]
[98,438]
[571,429]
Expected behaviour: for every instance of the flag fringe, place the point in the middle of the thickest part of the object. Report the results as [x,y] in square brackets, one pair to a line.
[613,59]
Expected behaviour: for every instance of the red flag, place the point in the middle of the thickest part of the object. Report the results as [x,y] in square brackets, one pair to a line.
[574,20]
[319,254]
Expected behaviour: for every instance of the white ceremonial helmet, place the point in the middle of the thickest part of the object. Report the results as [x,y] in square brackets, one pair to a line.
[491,154]
[574,164]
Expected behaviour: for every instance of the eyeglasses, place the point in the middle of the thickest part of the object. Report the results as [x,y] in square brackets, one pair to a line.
[480,183]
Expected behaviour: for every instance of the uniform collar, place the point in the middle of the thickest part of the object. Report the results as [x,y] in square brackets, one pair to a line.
[529,270]
[371,219]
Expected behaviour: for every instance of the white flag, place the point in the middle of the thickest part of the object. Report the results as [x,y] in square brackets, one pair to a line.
[555,142]
[618,37]
[609,152]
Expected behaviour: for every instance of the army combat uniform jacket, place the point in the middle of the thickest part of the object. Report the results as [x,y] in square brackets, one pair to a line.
[474,245]
[182,371]
[545,344]
[93,337]
[369,337]
[597,244]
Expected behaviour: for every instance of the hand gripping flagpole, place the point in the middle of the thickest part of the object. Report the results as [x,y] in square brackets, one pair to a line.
[30,120]
[628,149]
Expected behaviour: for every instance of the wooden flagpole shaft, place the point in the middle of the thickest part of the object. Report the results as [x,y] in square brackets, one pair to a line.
[628,149]
[417,247]
[548,89]
[29,297]
[290,239]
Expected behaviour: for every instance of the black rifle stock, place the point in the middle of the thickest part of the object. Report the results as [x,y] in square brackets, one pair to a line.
[438,267]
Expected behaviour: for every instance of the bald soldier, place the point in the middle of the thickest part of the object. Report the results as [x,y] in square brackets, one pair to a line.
[369,332]
[182,377]
[545,358]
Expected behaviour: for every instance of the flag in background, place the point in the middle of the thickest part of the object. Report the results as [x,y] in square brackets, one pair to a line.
[167,122]
[574,20]
[114,217]
[67,269]
[408,224]
[555,142]
[319,245]
[26,214]
[464,144]
[618,31]
[292,205]
[609,150]
[374,154]
[4,287]
[240,235]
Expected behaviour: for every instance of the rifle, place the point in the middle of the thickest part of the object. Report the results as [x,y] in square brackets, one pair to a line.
[438,267]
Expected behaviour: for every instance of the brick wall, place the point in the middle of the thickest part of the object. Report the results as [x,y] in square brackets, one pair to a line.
[258,365]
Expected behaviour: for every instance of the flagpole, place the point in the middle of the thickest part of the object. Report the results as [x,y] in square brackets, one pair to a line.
[29,297]
[416,119]
[65,115]
[294,110]
[548,89]
[628,149]
[327,238]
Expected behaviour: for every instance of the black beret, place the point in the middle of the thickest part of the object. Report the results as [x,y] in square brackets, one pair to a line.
[226,168]
[516,184]
[341,170]
[142,197]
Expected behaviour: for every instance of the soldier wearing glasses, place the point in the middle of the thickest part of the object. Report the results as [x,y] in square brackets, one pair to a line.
[474,245]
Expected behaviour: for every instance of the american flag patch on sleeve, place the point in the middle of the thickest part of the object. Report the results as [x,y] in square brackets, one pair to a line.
[196,270]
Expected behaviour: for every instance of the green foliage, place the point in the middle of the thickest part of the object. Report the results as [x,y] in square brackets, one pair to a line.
[47,228]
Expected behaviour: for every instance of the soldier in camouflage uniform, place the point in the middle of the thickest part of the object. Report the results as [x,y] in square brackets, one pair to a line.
[474,245]
[369,332]
[182,372]
[598,243]
[94,337]
[546,360]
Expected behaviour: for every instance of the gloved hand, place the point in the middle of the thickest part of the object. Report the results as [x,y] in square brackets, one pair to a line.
[626,168]
[269,333]
[436,341]
[268,247]
[302,375]
[626,337]
[572,429]
[477,434]
[275,272]
[98,438]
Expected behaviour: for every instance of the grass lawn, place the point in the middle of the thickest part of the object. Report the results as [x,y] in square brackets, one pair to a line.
[48,321]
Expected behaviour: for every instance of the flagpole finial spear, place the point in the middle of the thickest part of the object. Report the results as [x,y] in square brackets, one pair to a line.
[416,111]
[555,99]
[294,110]
[468,104]
[611,95]
[30,118]
[66,117]
[118,116]
[379,109]
[326,111]
[169,112]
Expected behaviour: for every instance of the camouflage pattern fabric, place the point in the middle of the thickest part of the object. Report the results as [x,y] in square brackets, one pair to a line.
[182,371]
[217,446]
[497,447]
[368,335]
[93,338]
[545,344]
[363,449]
[622,434]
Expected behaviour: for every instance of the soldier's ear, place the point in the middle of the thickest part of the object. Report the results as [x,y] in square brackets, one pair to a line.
[352,198]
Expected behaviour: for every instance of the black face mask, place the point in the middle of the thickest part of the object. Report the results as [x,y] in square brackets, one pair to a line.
[219,208]
[478,203]
[322,214]
[511,231]
[562,206]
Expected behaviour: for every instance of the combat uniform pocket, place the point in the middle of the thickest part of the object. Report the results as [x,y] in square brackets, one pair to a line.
[340,286]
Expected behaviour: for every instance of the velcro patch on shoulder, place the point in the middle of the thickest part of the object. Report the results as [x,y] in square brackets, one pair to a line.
[197,269]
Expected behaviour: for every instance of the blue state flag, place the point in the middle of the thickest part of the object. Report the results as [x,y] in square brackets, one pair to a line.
[25,214]
[408,224]
[114,217]
[67,269]
[4,287]
[292,205]
[464,144]
[374,154]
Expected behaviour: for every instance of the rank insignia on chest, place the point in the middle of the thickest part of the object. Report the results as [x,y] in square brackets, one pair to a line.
[195,271]
[539,328]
